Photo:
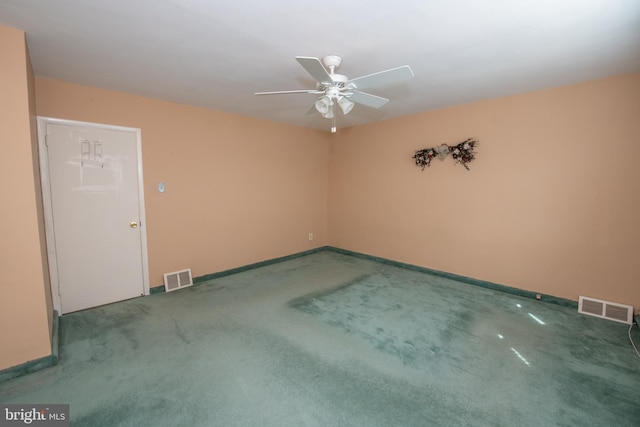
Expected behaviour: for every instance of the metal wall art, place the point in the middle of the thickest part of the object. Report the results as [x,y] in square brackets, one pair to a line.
[462,153]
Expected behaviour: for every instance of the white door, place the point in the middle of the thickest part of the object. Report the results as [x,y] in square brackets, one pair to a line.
[96,214]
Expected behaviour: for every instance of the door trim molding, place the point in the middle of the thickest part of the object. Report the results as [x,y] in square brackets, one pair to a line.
[48,207]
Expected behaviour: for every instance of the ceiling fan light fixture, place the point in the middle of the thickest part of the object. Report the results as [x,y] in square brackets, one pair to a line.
[323,104]
[329,114]
[345,105]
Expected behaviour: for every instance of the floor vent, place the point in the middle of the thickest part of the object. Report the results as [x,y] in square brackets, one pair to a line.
[605,309]
[177,280]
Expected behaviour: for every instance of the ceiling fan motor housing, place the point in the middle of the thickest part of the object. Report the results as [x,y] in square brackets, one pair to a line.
[339,81]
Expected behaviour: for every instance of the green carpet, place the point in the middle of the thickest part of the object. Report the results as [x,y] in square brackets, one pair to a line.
[333,340]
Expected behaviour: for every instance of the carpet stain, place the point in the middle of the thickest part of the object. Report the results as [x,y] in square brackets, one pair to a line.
[180,332]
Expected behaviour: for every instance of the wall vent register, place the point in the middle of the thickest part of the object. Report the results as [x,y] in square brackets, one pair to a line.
[177,280]
[605,309]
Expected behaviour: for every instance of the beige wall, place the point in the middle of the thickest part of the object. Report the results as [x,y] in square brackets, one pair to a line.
[551,204]
[35,157]
[239,190]
[25,310]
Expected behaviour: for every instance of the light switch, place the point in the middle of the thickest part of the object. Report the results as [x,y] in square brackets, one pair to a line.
[161,187]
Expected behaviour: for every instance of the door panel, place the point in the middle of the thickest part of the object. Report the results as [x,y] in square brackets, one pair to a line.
[93,176]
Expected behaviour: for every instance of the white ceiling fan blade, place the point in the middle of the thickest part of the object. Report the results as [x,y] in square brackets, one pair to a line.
[315,68]
[280,92]
[367,99]
[386,77]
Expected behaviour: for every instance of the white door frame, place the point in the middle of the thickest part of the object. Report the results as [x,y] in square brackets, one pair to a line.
[48,206]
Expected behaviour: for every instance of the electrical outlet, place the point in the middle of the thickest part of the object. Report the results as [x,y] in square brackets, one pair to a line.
[310,236]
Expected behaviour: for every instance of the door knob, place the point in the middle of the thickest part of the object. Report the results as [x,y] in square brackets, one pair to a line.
[133,224]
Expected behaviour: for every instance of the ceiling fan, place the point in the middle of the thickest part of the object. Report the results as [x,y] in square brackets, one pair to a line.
[335,88]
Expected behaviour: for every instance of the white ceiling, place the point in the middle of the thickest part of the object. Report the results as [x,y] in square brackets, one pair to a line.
[217,53]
